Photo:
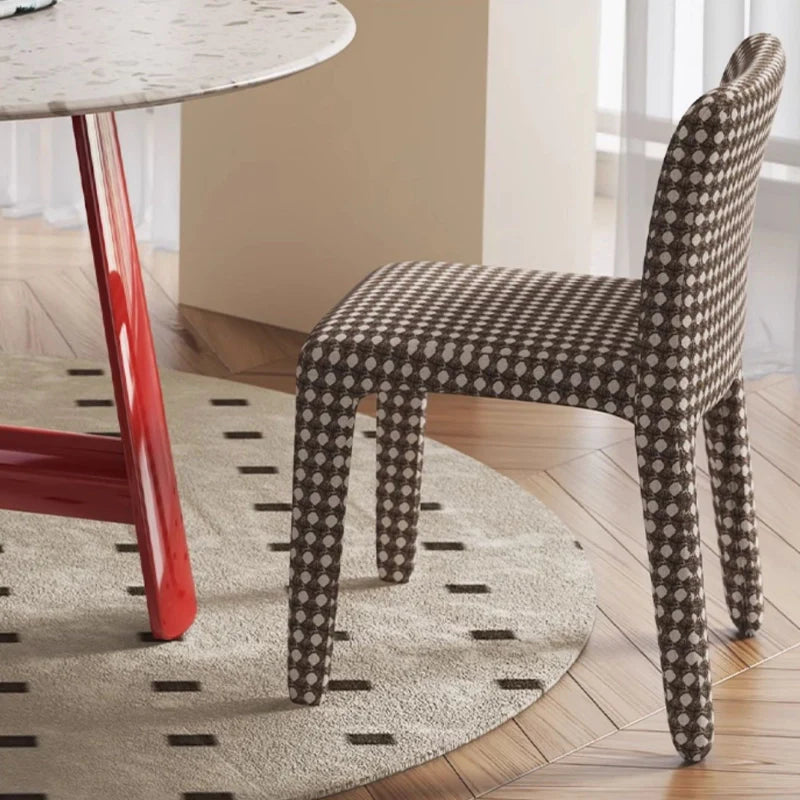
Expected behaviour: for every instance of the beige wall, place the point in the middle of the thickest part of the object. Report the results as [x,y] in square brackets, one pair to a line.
[293,191]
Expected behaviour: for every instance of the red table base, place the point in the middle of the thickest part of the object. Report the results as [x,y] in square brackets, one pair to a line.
[131,480]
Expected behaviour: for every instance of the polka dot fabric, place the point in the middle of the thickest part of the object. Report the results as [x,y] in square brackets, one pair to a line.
[400,422]
[690,331]
[489,331]
[727,445]
[663,353]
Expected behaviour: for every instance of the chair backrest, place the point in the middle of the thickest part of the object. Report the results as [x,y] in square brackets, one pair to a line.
[695,268]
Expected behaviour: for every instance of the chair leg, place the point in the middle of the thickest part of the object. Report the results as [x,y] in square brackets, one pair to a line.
[400,424]
[322,448]
[666,450]
[728,448]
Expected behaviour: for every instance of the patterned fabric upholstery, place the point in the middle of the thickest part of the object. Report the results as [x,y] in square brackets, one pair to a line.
[663,353]
[511,333]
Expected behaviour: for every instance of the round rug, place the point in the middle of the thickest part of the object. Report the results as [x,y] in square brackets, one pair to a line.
[500,605]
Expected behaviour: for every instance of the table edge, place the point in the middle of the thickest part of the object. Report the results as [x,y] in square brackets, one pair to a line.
[97,106]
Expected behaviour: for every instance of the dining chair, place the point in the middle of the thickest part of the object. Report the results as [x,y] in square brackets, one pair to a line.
[663,352]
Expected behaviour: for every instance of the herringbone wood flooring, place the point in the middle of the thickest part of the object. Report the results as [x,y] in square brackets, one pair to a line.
[600,732]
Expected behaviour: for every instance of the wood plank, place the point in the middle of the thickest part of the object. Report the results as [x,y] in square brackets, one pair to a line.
[36,231]
[26,328]
[565,719]
[784,395]
[242,344]
[512,425]
[766,686]
[756,748]
[780,564]
[289,341]
[434,780]
[286,365]
[612,497]
[278,383]
[361,793]
[162,266]
[73,304]
[34,251]
[32,244]
[609,495]
[732,754]
[790,659]
[580,782]
[622,583]
[622,681]
[512,460]
[777,499]
[743,716]
[17,260]
[774,435]
[624,590]
[21,268]
[777,631]
[497,757]
[175,344]
[752,385]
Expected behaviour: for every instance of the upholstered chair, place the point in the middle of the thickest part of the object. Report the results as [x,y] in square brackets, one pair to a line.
[663,352]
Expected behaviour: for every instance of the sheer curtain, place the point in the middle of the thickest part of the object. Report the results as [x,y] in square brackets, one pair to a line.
[39,171]
[667,53]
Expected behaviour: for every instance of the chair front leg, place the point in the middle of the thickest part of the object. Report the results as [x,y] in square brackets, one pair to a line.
[666,451]
[728,448]
[323,445]
[400,424]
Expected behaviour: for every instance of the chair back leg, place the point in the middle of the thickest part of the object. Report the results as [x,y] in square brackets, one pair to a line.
[323,445]
[666,457]
[400,424]
[728,448]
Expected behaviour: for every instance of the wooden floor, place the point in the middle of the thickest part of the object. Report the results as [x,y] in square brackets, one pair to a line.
[601,731]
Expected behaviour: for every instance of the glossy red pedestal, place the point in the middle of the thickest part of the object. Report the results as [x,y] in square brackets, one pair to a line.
[131,480]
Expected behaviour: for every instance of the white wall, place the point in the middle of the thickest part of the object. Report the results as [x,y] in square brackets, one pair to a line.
[540,133]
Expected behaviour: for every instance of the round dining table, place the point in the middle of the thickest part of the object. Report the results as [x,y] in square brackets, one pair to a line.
[87,59]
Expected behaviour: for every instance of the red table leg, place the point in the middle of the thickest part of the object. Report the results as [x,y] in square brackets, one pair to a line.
[145,441]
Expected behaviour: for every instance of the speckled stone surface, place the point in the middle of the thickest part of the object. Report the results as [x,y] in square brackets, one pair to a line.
[82,56]
[8,8]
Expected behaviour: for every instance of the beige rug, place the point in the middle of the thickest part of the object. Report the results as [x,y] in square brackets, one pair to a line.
[500,605]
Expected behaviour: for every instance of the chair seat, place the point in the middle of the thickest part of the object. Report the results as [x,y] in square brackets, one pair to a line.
[491,331]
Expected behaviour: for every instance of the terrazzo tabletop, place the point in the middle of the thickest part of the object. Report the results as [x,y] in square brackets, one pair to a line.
[82,56]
